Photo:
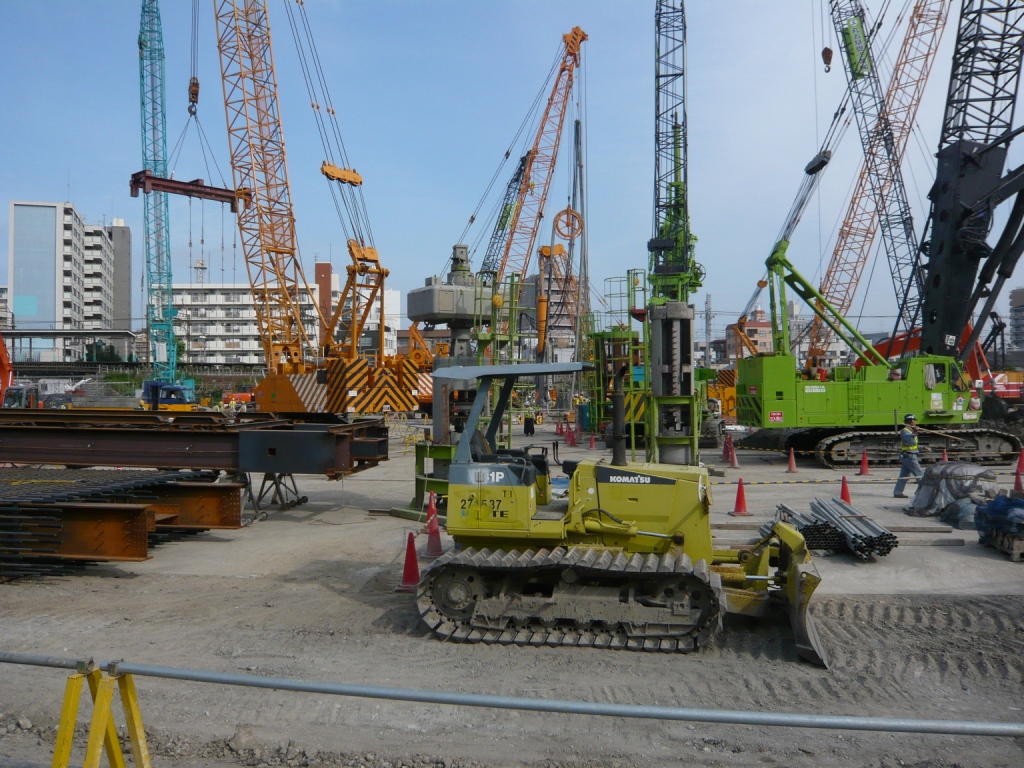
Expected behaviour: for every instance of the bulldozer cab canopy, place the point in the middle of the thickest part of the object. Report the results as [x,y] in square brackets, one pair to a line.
[486,374]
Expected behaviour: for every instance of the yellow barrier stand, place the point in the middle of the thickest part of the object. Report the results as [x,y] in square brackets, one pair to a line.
[102,730]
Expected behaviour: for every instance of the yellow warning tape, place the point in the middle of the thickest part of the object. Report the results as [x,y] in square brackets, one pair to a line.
[822,482]
[806,482]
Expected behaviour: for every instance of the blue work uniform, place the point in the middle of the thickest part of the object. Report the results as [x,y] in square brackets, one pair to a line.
[909,464]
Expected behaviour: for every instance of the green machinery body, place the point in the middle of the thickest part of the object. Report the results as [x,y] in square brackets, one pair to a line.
[841,412]
[770,392]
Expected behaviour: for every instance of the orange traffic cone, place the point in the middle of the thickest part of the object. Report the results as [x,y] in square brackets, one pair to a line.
[592,444]
[740,509]
[727,448]
[792,463]
[733,460]
[864,463]
[1020,462]
[411,571]
[1017,485]
[945,457]
[844,492]
[433,539]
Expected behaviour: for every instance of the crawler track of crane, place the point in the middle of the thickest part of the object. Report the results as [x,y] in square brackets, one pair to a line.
[979,446]
[581,596]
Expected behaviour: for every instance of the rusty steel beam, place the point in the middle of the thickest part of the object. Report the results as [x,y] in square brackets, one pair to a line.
[192,506]
[312,449]
[113,447]
[98,531]
[146,182]
[76,417]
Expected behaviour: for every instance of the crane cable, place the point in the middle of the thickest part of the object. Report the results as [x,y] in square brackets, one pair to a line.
[349,202]
[193,114]
[528,121]
[834,136]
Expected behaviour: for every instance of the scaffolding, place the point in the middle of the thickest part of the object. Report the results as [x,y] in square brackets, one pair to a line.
[613,341]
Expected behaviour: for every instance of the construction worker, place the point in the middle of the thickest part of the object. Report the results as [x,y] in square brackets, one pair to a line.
[909,464]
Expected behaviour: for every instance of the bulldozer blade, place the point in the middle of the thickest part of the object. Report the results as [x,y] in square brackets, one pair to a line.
[801,580]
[800,589]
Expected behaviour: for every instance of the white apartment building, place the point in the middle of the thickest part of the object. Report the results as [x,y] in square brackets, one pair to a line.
[98,274]
[216,322]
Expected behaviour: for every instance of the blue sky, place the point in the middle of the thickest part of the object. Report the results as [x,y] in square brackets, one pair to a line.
[429,96]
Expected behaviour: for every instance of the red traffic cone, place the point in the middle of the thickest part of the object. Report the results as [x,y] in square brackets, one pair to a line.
[411,571]
[431,506]
[592,444]
[558,429]
[844,492]
[945,457]
[792,463]
[727,448]
[433,539]
[740,509]
[570,437]
[1020,462]
[864,463]
[733,460]
[1017,485]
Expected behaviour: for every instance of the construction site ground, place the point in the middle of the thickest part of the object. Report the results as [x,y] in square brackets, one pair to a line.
[934,630]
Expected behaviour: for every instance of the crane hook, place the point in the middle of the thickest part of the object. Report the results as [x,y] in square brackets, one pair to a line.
[826,56]
[193,94]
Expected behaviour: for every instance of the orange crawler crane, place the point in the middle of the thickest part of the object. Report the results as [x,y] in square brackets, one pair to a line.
[304,375]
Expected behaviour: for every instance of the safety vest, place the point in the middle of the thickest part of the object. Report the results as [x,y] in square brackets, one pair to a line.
[904,448]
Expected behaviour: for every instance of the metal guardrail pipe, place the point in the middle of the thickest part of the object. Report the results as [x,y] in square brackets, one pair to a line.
[563,706]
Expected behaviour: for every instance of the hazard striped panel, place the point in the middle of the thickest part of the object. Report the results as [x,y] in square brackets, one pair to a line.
[311,391]
[385,394]
[635,403]
[290,393]
[424,387]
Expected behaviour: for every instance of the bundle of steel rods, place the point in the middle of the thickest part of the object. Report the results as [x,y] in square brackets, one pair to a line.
[23,538]
[835,525]
[43,486]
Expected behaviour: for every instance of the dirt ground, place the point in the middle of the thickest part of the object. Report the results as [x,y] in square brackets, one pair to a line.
[934,630]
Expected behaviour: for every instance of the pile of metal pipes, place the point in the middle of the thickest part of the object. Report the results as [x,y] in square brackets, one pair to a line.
[835,525]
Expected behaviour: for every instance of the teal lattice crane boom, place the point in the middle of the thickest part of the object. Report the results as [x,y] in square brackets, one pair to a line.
[159,307]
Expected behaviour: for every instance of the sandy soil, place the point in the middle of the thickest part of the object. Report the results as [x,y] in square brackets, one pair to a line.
[309,594]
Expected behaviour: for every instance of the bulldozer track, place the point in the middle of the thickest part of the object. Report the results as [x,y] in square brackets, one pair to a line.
[882,448]
[585,563]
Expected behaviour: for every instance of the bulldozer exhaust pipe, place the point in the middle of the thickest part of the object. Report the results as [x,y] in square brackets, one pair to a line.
[619,419]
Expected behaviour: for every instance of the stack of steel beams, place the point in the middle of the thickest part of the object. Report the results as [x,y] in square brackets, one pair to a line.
[51,519]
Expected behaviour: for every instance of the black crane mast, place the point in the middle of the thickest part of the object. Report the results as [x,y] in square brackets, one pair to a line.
[976,132]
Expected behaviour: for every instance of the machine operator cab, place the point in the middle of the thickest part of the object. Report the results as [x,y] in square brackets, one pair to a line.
[490,488]
[165,396]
